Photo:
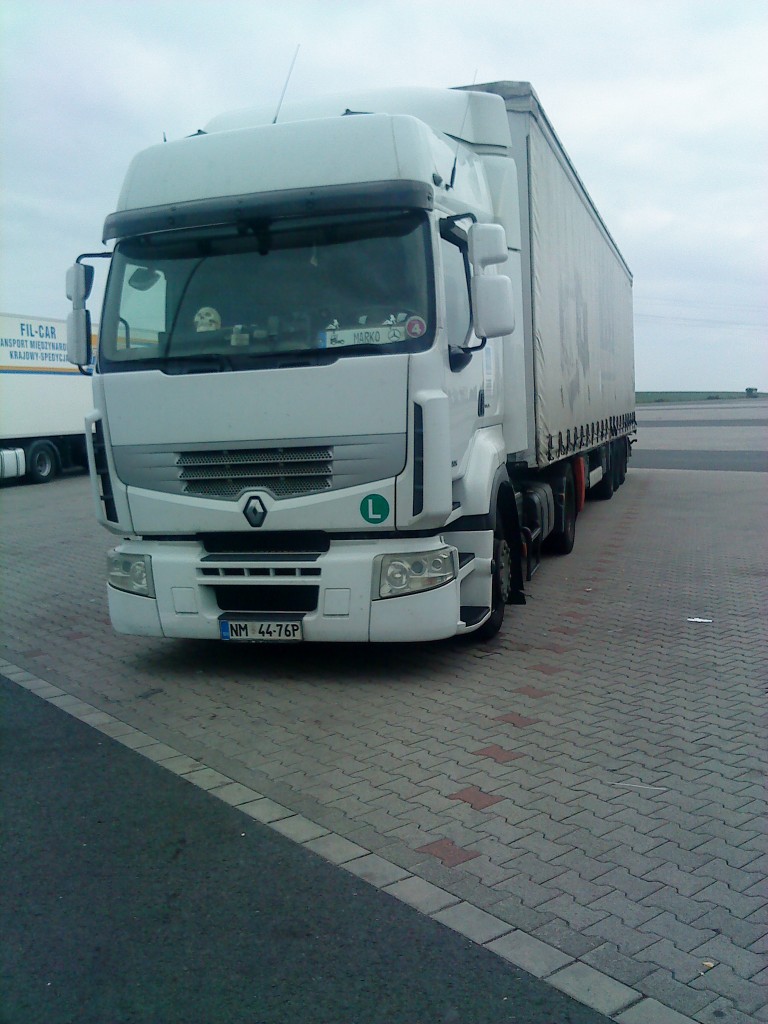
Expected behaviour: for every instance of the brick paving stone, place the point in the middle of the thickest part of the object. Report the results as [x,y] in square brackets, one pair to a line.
[667,954]
[742,933]
[475,798]
[336,849]
[719,894]
[516,913]
[722,1011]
[499,754]
[533,692]
[572,912]
[651,1011]
[633,887]
[684,882]
[533,955]
[422,895]
[627,910]
[662,985]
[376,870]
[738,879]
[565,938]
[629,941]
[518,721]
[593,987]
[722,980]
[448,852]
[721,948]
[607,958]
[475,924]
[524,888]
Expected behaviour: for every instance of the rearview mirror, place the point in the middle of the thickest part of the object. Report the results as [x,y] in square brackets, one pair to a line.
[487,246]
[79,284]
[79,337]
[493,306]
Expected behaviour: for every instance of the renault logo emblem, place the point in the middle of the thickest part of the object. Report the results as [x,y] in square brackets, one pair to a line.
[254,511]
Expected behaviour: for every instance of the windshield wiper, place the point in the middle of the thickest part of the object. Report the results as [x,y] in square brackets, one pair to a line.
[212,362]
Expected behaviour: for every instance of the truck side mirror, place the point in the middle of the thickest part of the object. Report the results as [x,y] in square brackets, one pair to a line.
[79,337]
[493,305]
[487,246]
[79,283]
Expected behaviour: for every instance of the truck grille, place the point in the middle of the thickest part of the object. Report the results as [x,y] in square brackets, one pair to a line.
[284,468]
[283,472]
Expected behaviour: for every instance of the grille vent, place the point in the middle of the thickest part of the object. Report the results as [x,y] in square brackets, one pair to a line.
[282,472]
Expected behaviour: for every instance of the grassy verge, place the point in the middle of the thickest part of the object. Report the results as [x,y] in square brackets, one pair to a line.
[650,397]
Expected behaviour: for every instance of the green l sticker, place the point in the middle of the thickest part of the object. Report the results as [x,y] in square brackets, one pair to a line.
[374,508]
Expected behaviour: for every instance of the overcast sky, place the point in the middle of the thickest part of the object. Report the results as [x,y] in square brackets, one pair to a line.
[661,105]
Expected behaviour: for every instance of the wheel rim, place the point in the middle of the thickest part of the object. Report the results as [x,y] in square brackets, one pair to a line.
[43,463]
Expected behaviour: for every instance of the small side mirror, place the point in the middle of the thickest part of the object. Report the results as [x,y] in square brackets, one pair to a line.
[79,283]
[493,305]
[487,246]
[79,337]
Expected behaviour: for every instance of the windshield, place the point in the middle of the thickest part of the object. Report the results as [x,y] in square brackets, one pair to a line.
[230,298]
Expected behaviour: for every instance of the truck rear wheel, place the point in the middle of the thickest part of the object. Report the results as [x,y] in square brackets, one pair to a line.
[42,462]
[561,541]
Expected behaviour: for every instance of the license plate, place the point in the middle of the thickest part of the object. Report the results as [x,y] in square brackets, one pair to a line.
[265,630]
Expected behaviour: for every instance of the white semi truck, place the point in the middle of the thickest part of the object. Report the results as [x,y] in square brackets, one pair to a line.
[43,400]
[356,366]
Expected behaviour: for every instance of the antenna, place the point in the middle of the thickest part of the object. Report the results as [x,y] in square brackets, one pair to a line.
[458,141]
[287,80]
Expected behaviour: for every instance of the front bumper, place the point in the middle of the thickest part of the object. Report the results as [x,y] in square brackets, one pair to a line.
[332,591]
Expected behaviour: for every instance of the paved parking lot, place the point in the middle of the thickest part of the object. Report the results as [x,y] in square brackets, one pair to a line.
[586,791]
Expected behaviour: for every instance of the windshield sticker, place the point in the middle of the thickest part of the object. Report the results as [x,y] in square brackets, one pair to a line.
[361,336]
[415,327]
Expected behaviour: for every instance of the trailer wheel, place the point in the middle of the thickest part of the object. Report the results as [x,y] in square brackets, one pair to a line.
[42,462]
[621,461]
[605,488]
[562,541]
[501,585]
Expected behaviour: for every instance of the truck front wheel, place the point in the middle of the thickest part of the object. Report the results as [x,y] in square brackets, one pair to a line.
[42,462]
[501,585]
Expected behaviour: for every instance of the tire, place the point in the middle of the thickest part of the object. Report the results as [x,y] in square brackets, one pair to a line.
[622,461]
[603,491]
[501,585]
[561,541]
[42,462]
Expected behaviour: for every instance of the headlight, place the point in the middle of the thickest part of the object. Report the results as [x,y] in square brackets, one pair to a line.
[408,573]
[132,573]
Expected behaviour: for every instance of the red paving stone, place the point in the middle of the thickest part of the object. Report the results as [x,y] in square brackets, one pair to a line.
[570,630]
[519,721]
[531,691]
[475,798]
[448,852]
[548,670]
[498,753]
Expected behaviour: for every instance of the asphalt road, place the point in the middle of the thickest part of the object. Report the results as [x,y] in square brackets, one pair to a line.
[130,895]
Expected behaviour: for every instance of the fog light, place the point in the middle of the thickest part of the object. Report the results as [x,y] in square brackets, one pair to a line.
[131,573]
[411,572]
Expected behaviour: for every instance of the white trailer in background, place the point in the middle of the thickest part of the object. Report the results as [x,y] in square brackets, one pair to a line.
[43,400]
[355,368]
